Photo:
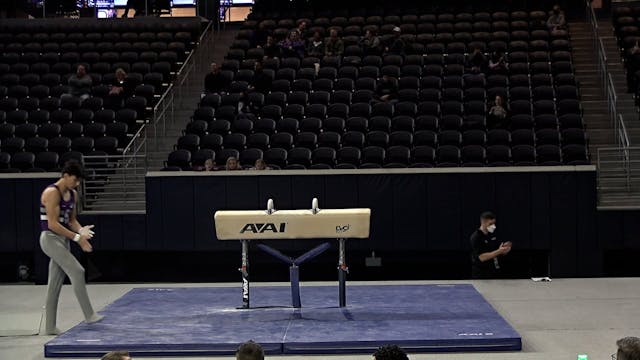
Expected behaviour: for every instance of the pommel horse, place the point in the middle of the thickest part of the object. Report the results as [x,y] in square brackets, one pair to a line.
[275,224]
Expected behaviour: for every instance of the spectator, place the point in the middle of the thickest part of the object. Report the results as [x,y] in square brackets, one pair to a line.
[396,44]
[315,47]
[271,49]
[370,43]
[301,29]
[633,65]
[260,165]
[120,86]
[476,62]
[390,352]
[260,36]
[116,355]
[209,165]
[333,44]
[497,114]
[556,20]
[292,46]
[232,164]
[250,351]
[628,349]
[387,88]
[80,83]
[261,81]
[214,82]
[498,63]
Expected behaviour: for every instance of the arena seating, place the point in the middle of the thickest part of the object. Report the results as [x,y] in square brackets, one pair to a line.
[626,27]
[332,118]
[39,129]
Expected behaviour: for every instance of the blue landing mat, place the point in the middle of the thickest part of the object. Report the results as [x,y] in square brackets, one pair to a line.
[205,321]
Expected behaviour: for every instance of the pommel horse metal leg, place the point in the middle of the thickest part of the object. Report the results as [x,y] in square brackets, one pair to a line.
[342,273]
[244,269]
[245,274]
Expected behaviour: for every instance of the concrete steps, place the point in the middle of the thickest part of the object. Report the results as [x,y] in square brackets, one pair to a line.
[614,191]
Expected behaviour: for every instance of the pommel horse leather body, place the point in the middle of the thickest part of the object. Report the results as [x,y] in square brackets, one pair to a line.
[292,224]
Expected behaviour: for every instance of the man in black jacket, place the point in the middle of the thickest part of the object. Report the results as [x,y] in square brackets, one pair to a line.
[486,249]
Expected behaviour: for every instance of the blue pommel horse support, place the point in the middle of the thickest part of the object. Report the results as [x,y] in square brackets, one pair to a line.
[315,223]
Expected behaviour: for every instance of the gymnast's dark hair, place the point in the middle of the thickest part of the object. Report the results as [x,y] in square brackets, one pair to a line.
[487,215]
[390,352]
[73,167]
[250,351]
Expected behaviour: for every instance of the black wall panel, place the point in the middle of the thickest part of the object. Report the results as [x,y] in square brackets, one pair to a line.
[410,213]
[8,233]
[177,215]
[443,209]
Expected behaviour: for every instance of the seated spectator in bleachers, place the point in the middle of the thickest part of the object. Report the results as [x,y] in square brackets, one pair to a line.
[120,86]
[396,45]
[259,36]
[209,165]
[261,81]
[498,114]
[628,349]
[250,351]
[292,46]
[633,68]
[498,63]
[116,355]
[476,62]
[214,82]
[390,352]
[301,29]
[80,83]
[260,165]
[333,45]
[370,43]
[271,48]
[387,88]
[232,164]
[315,47]
[556,19]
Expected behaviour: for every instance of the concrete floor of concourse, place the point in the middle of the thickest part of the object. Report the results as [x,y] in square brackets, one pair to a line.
[556,320]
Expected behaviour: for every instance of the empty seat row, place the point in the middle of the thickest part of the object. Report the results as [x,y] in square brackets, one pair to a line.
[396,156]
[60,145]
[354,138]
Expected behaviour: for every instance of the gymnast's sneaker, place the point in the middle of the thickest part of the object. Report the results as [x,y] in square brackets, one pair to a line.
[54,331]
[94,319]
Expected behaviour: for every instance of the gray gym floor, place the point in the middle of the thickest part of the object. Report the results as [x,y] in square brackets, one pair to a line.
[556,320]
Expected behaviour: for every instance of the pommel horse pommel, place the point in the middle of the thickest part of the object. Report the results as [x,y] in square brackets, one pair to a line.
[272,224]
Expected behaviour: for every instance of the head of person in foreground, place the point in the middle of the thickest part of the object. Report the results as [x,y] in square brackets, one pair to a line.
[390,352]
[250,351]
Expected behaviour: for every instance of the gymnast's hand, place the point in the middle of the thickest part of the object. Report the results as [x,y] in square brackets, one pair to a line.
[85,244]
[86,231]
[85,234]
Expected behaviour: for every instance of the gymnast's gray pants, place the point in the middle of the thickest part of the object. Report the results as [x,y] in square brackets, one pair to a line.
[62,263]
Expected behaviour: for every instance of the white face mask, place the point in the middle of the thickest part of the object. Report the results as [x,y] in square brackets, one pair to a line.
[491,228]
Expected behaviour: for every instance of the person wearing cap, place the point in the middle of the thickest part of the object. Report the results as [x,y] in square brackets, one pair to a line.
[396,45]
[58,222]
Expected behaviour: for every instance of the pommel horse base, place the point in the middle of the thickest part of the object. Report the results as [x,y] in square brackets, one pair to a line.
[313,223]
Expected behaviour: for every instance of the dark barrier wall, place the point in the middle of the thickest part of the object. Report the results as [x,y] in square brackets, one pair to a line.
[412,213]
[420,211]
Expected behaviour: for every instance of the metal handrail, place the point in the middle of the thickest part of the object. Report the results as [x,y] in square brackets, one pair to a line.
[166,101]
[623,135]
